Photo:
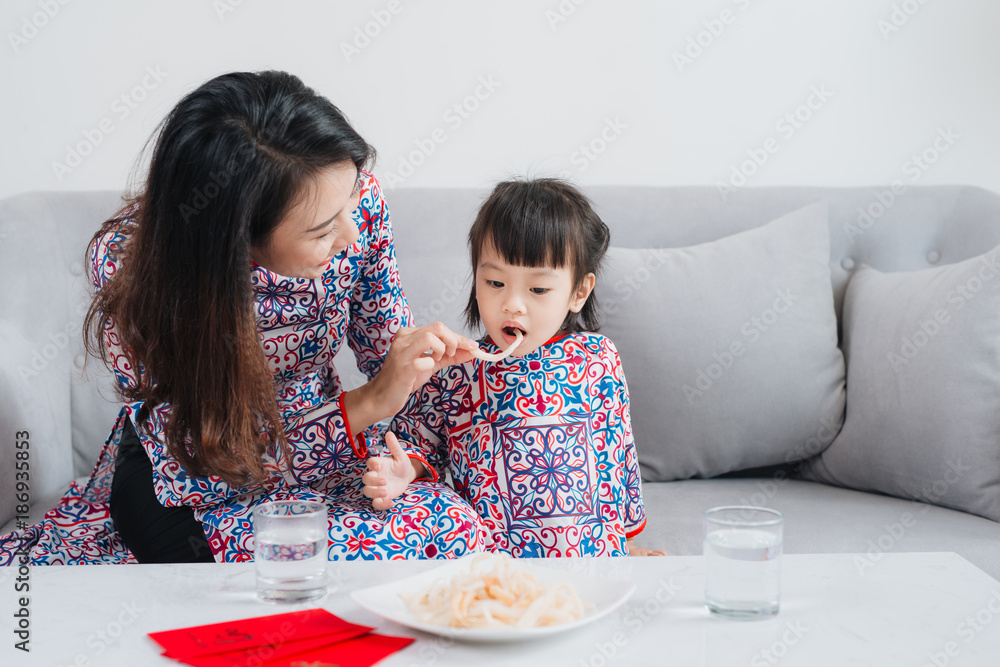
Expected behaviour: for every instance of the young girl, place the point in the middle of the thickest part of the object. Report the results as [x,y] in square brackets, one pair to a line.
[539,442]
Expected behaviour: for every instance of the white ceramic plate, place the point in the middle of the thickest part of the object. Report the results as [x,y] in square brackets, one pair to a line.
[605,594]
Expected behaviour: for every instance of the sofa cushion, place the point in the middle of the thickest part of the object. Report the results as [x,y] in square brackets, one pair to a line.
[819,519]
[923,369]
[729,347]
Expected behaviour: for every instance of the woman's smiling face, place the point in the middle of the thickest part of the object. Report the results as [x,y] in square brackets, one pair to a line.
[317,227]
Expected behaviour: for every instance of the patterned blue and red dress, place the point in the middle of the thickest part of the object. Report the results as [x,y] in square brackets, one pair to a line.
[302,324]
[540,445]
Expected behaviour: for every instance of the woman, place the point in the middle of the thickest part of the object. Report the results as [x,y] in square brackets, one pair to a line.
[224,290]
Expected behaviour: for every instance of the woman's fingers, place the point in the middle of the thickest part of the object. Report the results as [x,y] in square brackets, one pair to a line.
[415,355]
[468,344]
[461,356]
[447,338]
[436,337]
[458,348]
[425,342]
[424,364]
[453,341]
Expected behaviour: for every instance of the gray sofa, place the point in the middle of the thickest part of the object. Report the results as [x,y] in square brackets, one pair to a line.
[46,291]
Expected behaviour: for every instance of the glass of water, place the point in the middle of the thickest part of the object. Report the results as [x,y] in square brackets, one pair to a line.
[290,553]
[742,554]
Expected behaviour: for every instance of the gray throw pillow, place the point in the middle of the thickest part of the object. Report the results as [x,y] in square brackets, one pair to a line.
[923,372]
[729,347]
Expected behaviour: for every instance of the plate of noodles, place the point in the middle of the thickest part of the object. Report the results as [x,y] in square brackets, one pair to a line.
[490,597]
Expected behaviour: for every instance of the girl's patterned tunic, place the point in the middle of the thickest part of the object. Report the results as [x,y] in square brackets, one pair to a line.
[302,323]
[541,445]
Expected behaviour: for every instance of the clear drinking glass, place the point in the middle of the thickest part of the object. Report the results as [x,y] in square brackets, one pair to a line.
[290,552]
[742,556]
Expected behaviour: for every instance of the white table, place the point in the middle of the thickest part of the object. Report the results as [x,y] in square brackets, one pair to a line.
[906,609]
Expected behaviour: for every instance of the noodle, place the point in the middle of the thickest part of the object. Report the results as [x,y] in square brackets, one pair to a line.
[479,354]
[500,597]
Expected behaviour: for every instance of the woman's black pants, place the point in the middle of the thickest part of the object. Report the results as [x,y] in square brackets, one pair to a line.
[152,532]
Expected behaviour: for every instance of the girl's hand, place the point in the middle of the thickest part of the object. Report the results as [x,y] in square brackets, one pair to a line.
[388,477]
[413,356]
[643,551]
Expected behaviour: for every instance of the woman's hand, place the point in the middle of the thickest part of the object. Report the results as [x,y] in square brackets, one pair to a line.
[642,551]
[388,477]
[414,355]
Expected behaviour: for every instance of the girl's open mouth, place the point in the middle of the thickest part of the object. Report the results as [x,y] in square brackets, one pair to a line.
[510,333]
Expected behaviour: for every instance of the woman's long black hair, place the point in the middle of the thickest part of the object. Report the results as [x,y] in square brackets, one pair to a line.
[229,162]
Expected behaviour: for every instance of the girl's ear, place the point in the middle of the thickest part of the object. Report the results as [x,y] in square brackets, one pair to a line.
[582,293]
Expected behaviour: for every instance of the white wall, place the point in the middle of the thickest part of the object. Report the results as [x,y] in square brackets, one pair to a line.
[609,67]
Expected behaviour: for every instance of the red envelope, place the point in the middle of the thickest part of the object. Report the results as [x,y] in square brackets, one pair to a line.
[265,654]
[361,652]
[248,635]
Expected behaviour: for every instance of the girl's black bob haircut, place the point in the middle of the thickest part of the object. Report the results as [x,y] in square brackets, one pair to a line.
[541,222]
